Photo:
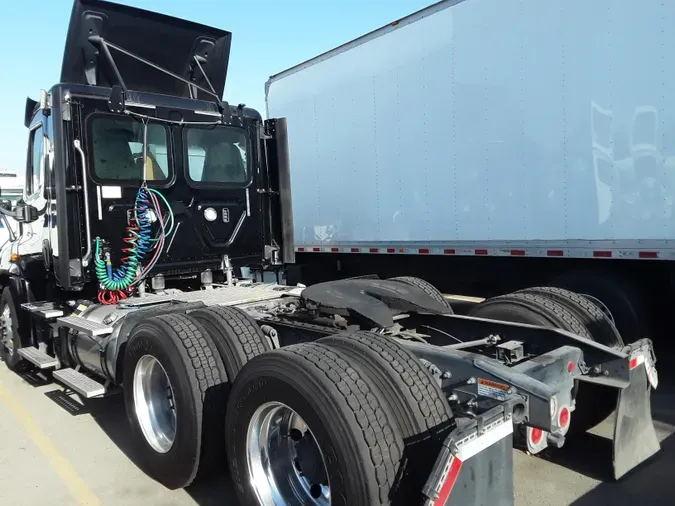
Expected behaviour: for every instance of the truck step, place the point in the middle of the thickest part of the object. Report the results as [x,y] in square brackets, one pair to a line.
[83,385]
[87,327]
[46,310]
[37,357]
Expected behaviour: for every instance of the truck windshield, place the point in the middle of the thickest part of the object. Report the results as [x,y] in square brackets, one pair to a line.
[217,155]
[117,144]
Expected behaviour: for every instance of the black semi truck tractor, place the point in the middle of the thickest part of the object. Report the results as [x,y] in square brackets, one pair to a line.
[147,196]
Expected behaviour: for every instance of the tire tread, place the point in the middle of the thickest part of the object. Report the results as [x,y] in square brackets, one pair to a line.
[425,396]
[243,335]
[556,313]
[594,319]
[425,286]
[377,432]
[202,360]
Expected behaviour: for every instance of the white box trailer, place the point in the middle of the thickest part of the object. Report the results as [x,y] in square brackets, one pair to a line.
[492,128]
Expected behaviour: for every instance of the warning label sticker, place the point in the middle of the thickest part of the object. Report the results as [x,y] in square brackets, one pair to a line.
[492,389]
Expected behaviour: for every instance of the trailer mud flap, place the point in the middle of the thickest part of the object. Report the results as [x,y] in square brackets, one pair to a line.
[473,469]
[634,434]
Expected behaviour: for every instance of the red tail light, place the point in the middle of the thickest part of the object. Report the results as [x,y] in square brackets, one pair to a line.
[564,417]
[536,436]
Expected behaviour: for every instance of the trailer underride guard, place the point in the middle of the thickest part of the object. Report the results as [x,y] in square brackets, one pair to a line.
[146,198]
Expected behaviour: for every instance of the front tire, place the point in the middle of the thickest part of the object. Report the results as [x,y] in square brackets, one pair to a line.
[174,393]
[10,338]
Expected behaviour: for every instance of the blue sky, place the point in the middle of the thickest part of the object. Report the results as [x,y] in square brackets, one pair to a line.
[268,36]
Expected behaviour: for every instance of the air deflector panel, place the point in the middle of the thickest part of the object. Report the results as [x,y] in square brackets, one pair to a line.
[168,42]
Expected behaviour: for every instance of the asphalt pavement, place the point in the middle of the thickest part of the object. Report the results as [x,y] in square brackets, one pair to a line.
[56,451]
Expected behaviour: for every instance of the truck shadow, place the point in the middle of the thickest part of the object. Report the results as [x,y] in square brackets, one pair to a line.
[650,483]
[590,454]
[109,413]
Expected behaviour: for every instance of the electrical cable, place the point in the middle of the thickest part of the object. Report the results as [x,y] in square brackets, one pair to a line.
[117,284]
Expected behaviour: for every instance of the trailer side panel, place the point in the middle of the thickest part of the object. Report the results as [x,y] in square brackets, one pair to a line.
[484,121]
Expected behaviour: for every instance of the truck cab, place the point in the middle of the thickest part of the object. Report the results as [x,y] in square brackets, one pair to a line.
[140,106]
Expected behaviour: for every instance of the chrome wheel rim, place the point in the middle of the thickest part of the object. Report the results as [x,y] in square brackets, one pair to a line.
[154,404]
[7,331]
[285,464]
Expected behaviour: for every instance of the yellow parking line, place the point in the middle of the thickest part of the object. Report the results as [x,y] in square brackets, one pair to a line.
[78,488]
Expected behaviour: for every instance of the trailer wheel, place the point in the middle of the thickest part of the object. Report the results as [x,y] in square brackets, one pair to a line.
[596,321]
[416,399]
[10,338]
[237,336]
[174,393]
[304,427]
[425,286]
[593,404]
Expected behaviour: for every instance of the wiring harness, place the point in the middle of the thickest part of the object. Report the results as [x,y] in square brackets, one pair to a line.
[119,283]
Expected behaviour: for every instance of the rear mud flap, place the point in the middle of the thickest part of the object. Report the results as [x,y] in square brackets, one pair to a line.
[634,435]
[474,470]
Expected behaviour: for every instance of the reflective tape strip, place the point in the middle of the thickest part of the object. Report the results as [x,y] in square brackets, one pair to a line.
[636,361]
[572,252]
[639,359]
[475,444]
[453,469]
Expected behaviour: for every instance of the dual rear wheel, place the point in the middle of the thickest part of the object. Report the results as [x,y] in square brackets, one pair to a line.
[339,421]
[334,422]
[177,373]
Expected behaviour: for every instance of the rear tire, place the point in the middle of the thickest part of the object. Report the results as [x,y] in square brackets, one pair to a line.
[10,338]
[593,404]
[426,287]
[531,309]
[594,319]
[621,299]
[173,453]
[345,418]
[237,336]
[416,399]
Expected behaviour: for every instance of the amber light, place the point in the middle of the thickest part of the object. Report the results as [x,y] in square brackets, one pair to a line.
[14,257]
